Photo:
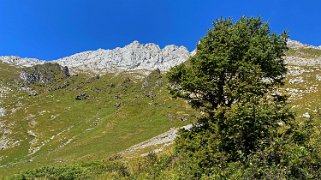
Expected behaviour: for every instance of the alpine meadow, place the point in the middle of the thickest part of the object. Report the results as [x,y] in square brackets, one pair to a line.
[243,105]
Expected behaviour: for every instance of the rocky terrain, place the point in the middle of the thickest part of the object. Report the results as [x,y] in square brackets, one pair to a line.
[25,62]
[146,57]
[44,74]
[133,57]
[163,140]
[297,44]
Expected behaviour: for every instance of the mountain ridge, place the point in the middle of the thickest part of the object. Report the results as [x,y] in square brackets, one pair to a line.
[132,57]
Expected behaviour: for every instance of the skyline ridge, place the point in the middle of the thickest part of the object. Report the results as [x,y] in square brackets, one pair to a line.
[292,41]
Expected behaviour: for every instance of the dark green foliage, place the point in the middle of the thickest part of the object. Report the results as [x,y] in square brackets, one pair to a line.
[295,155]
[232,78]
[230,63]
[247,129]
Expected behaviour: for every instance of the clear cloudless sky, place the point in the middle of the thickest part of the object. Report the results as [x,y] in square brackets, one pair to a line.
[51,29]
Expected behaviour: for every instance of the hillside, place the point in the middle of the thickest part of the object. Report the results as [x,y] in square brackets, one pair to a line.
[303,79]
[82,117]
[86,116]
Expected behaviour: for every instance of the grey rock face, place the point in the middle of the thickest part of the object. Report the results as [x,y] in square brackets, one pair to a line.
[134,56]
[164,139]
[25,62]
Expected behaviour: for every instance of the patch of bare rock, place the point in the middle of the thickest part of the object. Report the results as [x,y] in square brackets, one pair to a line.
[164,139]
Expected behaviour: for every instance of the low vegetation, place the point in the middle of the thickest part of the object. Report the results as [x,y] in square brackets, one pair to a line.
[305,52]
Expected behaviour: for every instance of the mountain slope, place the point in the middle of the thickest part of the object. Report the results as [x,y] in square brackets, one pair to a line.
[88,117]
[91,118]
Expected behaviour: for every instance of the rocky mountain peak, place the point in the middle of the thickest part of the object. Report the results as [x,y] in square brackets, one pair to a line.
[15,60]
[134,44]
[132,57]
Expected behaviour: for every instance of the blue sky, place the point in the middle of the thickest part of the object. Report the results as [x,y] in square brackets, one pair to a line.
[50,29]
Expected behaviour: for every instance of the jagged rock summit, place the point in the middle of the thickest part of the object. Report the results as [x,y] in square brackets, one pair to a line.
[133,57]
[25,62]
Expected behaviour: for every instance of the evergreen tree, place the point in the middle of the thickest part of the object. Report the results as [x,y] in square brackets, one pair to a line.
[234,79]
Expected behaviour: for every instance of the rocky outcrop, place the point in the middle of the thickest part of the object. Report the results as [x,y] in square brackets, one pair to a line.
[296,80]
[164,139]
[132,57]
[138,57]
[297,44]
[25,62]
[44,73]
[82,96]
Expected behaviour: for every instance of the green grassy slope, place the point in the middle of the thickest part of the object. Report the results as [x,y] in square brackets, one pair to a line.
[53,128]
[305,95]
[304,83]
[304,52]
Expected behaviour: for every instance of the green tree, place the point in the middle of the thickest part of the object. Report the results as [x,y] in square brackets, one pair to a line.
[234,79]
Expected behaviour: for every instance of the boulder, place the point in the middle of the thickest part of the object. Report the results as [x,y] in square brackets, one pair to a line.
[82,96]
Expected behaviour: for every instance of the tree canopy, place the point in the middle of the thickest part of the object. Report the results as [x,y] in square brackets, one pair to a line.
[232,61]
[234,79]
